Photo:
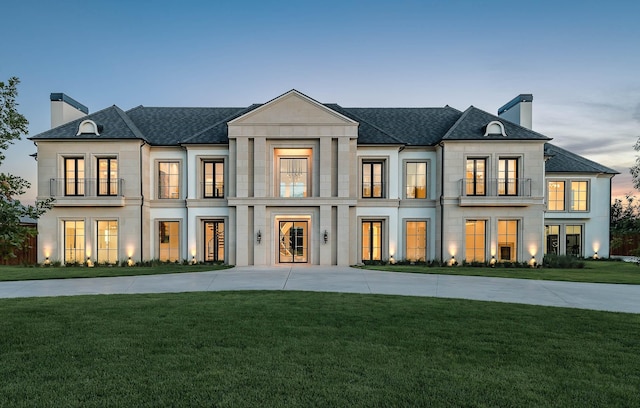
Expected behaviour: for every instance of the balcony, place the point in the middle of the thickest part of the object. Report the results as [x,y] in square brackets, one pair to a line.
[87,192]
[497,192]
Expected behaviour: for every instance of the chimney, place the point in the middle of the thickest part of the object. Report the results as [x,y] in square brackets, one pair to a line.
[518,110]
[64,109]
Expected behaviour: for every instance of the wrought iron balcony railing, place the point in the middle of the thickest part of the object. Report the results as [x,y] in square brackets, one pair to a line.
[509,187]
[93,188]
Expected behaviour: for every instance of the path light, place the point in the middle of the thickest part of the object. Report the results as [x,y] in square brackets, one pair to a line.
[89,263]
[193,260]
[47,261]
[533,262]
[129,262]
[493,261]
[595,255]
[392,261]
[453,261]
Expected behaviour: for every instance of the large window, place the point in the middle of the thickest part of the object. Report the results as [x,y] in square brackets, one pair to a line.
[74,176]
[507,240]
[508,176]
[371,240]
[552,239]
[169,180]
[107,176]
[555,194]
[372,179]
[107,242]
[169,241]
[475,178]
[416,241]
[416,180]
[475,239]
[573,234]
[214,241]
[579,196]
[213,186]
[294,177]
[73,242]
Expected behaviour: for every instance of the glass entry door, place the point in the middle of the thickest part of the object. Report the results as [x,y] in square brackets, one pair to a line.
[293,242]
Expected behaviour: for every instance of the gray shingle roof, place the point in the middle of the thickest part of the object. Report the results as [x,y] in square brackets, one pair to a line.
[563,161]
[472,125]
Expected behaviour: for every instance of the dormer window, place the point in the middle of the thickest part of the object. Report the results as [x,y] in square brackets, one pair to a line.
[88,127]
[495,128]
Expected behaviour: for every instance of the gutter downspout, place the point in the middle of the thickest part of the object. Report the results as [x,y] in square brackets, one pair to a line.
[186,203]
[141,207]
[442,205]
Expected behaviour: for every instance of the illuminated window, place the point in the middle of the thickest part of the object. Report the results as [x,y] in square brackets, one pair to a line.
[107,177]
[475,179]
[372,180]
[74,176]
[213,186]
[372,240]
[573,235]
[73,242]
[416,241]
[168,180]
[169,241]
[213,241]
[475,238]
[294,177]
[507,240]
[552,239]
[416,180]
[508,177]
[107,251]
[555,194]
[579,195]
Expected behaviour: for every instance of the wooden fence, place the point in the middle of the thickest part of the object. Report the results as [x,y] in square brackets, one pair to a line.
[629,242]
[26,255]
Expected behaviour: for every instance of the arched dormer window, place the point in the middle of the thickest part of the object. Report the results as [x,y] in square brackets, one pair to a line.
[495,128]
[88,127]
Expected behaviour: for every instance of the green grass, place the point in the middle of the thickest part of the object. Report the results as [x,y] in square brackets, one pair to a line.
[14,273]
[312,349]
[594,271]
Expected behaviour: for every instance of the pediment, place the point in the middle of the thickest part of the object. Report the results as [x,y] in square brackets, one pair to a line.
[292,108]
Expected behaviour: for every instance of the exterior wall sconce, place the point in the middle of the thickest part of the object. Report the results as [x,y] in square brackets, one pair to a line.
[129,262]
[325,236]
[595,255]
[533,262]
[493,261]
[259,236]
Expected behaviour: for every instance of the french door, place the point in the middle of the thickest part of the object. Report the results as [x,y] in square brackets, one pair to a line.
[293,242]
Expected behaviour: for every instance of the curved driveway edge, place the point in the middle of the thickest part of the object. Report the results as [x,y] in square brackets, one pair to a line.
[595,296]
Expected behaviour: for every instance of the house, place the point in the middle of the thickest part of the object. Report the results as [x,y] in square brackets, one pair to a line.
[297,181]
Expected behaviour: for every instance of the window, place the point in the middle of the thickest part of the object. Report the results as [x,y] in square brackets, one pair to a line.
[74,176]
[573,234]
[507,240]
[73,242]
[416,180]
[107,242]
[416,241]
[372,180]
[213,179]
[475,238]
[552,239]
[579,196]
[475,177]
[508,177]
[169,180]
[214,241]
[555,192]
[372,240]
[107,177]
[169,239]
[294,177]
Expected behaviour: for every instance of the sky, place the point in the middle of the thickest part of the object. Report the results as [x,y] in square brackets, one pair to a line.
[579,59]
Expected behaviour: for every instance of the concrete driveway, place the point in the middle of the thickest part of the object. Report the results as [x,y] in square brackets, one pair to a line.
[596,296]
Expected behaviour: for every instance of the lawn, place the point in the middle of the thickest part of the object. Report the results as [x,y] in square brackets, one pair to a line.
[14,273]
[594,271]
[312,349]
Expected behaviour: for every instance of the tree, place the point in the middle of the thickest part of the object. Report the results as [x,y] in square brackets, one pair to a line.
[12,126]
[635,169]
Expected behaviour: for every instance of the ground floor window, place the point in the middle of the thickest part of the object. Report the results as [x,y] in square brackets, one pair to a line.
[107,245]
[371,240]
[568,235]
[169,241]
[573,235]
[475,240]
[507,240]
[214,241]
[73,242]
[416,241]
[552,239]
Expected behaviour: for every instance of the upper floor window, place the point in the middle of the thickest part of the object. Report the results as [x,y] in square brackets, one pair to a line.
[107,176]
[508,176]
[294,177]
[579,195]
[476,176]
[213,179]
[74,176]
[416,180]
[372,179]
[169,179]
[556,195]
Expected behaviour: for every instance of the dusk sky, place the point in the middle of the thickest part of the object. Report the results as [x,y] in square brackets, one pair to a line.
[579,59]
